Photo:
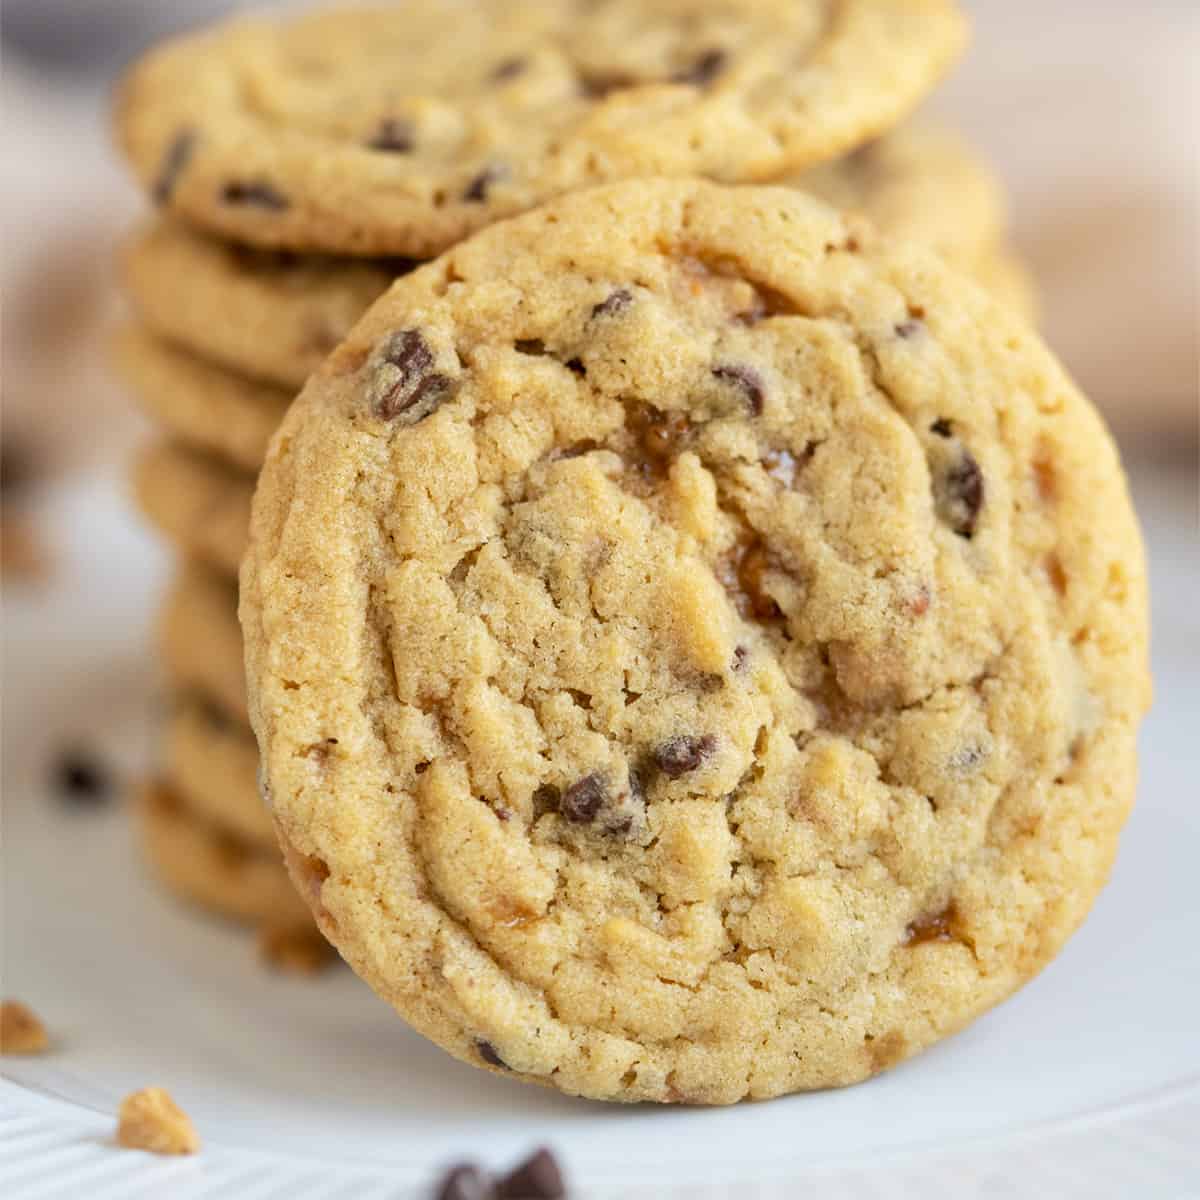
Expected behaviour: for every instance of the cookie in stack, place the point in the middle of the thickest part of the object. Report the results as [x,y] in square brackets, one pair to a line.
[301,166]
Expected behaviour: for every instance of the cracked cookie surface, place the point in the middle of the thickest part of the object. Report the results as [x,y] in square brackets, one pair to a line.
[399,130]
[696,648]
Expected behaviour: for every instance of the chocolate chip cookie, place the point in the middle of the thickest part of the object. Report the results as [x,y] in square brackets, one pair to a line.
[200,641]
[696,647]
[268,315]
[397,130]
[202,405]
[211,761]
[197,502]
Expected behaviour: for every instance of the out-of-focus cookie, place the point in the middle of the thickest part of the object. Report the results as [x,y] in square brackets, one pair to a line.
[399,129]
[270,316]
[200,504]
[202,405]
[199,638]
[696,647]
[211,761]
[210,867]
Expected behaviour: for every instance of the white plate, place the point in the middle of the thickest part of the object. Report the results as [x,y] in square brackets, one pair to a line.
[1087,1083]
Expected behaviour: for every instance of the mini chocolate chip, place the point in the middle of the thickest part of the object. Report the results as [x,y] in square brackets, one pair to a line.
[465,1182]
[679,755]
[510,68]
[537,1178]
[704,70]
[941,427]
[582,800]
[257,193]
[393,135]
[476,191]
[488,1053]
[748,380]
[534,347]
[405,384]
[175,160]
[575,366]
[741,655]
[962,495]
[908,329]
[614,303]
[81,781]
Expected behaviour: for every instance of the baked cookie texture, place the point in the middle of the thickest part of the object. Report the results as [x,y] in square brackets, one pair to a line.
[200,640]
[696,648]
[198,502]
[200,404]
[460,114]
[210,761]
[271,316]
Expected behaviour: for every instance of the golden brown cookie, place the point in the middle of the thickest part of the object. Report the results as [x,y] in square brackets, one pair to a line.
[197,502]
[210,867]
[697,647]
[200,641]
[398,129]
[204,406]
[211,761]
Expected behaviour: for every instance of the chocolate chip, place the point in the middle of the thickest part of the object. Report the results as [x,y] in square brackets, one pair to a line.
[174,162]
[81,781]
[741,656]
[582,800]
[679,755]
[748,380]
[405,387]
[476,191]
[465,1182]
[961,495]
[545,799]
[575,366]
[488,1053]
[257,193]
[909,329]
[704,70]
[510,68]
[614,303]
[537,1178]
[534,347]
[941,427]
[394,136]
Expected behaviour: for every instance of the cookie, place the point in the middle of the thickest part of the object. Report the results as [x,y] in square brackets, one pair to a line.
[209,867]
[398,130]
[919,182]
[211,762]
[200,641]
[203,406]
[271,316]
[1001,271]
[197,502]
[696,647]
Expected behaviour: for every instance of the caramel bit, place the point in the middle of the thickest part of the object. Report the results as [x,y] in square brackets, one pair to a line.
[1045,478]
[20,1030]
[658,436]
[744,577]
[1056,574]
[151,1120]
[936,927]
[294,949]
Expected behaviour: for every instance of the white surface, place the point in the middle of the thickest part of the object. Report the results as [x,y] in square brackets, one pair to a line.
[1089,1077]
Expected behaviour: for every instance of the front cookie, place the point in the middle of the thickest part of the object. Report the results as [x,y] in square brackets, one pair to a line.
[696,650]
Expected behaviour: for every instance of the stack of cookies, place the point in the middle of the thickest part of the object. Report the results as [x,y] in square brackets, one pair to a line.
[299,167]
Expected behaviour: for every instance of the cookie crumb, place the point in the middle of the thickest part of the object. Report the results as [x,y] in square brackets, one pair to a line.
[150,1120]
[21,1032]
[294,949]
